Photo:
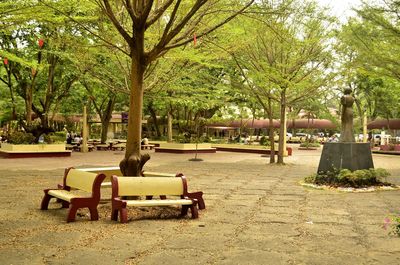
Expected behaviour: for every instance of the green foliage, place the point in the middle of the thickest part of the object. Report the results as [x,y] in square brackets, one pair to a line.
[264,141]
[310,144]
[57,137]
[21,138]
[348,178]
[393,223]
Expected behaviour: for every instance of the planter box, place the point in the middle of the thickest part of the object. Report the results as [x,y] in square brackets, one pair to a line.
[32,147]
[33,150]
[390,148]
[185,148]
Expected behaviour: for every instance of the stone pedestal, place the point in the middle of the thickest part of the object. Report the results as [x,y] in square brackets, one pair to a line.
[352,156]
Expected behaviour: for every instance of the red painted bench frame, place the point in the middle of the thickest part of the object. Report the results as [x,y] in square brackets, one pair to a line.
[77,203]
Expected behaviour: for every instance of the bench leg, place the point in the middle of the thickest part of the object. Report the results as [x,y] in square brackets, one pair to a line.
[64,204]
[71,214]
[94,214]
[45,202]
[193,210]
[123,215]
[199,197]
[184,210]
[114,215]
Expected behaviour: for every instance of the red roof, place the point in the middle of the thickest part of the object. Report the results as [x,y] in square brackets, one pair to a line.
[298,124]
[392,124]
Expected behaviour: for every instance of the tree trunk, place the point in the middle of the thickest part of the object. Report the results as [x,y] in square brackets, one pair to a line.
[106,117]
[104,130]
[133,162]
[271,132]
[365,130]
[282,129]
[28,103]
[169,128]
[155,121]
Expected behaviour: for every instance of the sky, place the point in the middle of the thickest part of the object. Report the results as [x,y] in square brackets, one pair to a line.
[341,8]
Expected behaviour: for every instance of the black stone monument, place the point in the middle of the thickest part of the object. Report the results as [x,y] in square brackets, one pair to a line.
[353,156]
[346,153]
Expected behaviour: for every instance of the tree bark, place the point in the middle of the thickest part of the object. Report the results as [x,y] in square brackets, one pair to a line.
[106,117]
[155,121]
[169,128]
[282,129]
[133,162]
[28,103]
[271,132]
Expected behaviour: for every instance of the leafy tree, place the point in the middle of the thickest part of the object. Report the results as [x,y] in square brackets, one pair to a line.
[170,24]
[288,58]
[368,49]
[40,66]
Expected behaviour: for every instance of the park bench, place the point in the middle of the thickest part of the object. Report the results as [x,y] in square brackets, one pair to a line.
[123,187]
[103,147]
[80,189]
[147,146]
[78,148]
[109,171]
[119,146]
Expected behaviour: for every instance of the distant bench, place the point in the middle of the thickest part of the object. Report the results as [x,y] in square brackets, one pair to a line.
[147,146]
[68,195]
[102,147]
[154,186]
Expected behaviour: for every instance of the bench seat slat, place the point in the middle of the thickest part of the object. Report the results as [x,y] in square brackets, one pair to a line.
[139,203]
[65,195]
[106,184]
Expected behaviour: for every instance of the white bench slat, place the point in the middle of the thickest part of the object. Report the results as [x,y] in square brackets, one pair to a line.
[139,203]
[64,195]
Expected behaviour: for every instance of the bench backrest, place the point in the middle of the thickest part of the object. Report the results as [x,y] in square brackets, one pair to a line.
[159,174]
[79,179]
[108,171]
[142,186]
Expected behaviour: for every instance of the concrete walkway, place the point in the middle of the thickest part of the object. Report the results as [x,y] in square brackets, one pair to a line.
[256,214]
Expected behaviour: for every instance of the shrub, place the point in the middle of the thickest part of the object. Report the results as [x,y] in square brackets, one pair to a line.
[21,138]
[348,178]
[393,223]
[264,141]
[309,144]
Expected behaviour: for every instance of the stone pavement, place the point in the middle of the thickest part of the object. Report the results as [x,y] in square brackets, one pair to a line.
[256,214]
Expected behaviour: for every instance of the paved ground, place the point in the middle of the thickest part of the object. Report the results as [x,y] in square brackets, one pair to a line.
[256,214]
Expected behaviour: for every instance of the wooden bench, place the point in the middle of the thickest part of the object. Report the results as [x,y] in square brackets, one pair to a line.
[78,147]
[110,171]
[155,186]
[119,146]
[147,146]
[68,195]
[102,147]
